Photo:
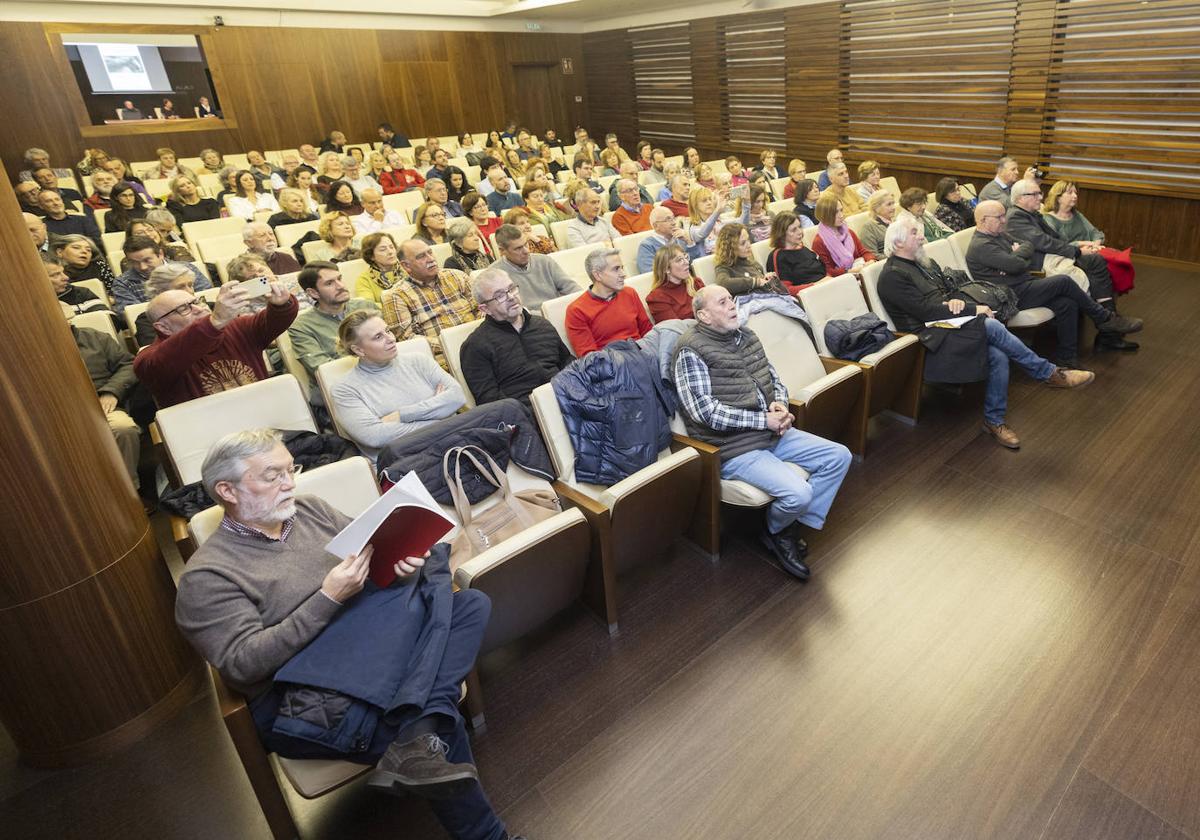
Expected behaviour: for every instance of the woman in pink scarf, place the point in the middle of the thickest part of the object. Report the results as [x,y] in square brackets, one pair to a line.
[836,245]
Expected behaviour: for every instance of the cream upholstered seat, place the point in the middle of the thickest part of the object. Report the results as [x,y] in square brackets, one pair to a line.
[760,251]
[195,231]
[286,235]
[777,187]
[101,321]
[781,204]
[94,286]
[893,373]
[453,339]
[959,242]
[641,283]
[891,185]
[870,278]
[705,268]
[218,249]
[857,221]
[810,234]
[351,270]
[405,202]
[555,311]
[628,246]
[291,363]
[331,373]
[572,260]
[559,231]
[159,188]
[632,520]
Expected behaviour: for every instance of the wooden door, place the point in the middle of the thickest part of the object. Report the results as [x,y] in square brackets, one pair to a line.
[540,99]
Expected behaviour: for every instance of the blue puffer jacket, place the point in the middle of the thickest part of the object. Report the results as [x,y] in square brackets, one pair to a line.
[617,410]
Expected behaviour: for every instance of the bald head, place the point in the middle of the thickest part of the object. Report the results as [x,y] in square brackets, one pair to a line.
[986,209]
[36,228]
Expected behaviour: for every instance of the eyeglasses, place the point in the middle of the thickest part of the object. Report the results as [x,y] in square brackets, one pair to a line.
[182,309]
[511,293]
[276,476]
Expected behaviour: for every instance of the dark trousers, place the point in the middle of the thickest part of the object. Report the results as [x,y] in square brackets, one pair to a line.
[1062,295]
[466,817]
[1099,278]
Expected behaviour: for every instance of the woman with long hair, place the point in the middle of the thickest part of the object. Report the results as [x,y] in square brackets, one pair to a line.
[673,285]
[126,206]
[736,268]
[430,221]
[796,266]
[340,198]
[838,247]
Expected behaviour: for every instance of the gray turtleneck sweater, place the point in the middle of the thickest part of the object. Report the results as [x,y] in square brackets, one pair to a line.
[406,386]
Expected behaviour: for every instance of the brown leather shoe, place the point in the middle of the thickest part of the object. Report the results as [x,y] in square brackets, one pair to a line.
[1069,378]
[1004,435]
[420,767]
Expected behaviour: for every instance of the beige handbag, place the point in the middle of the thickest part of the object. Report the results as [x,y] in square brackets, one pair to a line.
[510,516]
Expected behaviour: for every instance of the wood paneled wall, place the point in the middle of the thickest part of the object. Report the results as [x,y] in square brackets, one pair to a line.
[284,86]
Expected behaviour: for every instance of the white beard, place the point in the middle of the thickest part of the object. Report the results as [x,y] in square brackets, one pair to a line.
[267,513]
[921,257]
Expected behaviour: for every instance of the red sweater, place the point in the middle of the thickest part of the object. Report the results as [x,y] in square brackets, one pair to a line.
[671,300]
[202,360]
[399,180]
[593,323]
[822,250]
[789,189]
[627,223]
[679,208]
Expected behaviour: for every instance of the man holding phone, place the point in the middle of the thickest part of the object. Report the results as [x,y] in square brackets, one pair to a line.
[200,352]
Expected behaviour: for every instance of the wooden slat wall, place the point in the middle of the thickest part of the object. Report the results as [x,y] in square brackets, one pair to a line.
[815,85]
[1029,79]
[290,85]
[754,80]
[610,94]
[661,59]
[706,88]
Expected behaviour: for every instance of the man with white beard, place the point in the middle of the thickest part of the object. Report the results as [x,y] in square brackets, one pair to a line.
[916,291]
[260,240]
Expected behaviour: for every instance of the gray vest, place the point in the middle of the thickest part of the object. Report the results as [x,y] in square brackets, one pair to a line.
[738,372]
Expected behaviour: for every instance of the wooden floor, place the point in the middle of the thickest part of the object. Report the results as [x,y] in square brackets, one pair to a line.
[994,644]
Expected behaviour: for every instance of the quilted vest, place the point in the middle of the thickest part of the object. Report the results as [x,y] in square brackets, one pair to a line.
[738,373]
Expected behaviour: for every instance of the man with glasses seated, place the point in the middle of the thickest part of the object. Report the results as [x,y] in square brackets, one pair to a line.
[996,257]
[435,191]
[199,352]
[513,351]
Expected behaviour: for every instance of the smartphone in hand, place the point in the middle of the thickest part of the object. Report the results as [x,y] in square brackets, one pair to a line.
[256,287]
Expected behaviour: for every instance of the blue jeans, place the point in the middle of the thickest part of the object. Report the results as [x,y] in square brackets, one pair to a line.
[796,500]
[1004,347]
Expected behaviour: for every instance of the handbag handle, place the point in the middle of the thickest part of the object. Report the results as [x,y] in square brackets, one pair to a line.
[493,476]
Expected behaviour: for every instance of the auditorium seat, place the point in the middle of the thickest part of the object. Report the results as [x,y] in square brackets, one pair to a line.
[559,231]
[453,339]
[705,268]
[332,372]
[101,321]
[955,253]
[571,260]
[404,203]
[761,250]
[894,373]
[94,286]
[891,185]
[193,232]
[857,221]
[286,235]
[555,311]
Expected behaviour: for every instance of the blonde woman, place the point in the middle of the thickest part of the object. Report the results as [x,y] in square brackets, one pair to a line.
[673,285]
[882,209]
[703,223]
[337,239]
[187,205]
[797,172]
[736,268]
[868,179]
[304,181]
[292,209]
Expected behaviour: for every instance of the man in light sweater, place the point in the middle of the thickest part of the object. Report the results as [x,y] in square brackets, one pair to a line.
[589,227]
[537,276]
[260,594]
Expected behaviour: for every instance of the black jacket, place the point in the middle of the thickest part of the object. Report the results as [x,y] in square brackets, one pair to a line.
[1024,226]
[992,258]
[913,294]
[499,362]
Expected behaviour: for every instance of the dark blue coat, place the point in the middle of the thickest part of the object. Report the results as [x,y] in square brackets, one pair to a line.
[617,410]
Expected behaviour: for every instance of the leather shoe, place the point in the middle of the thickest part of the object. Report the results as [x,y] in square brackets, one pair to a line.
[786,552]
[1004,435]
[420,767]
[793,531]
[1110,341]
[1067,378]
[1120,324]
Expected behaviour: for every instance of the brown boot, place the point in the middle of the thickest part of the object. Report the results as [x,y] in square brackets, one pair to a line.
[1068,378]
[419,767]
[1003,434]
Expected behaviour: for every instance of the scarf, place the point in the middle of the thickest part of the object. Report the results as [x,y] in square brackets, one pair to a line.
[840,244]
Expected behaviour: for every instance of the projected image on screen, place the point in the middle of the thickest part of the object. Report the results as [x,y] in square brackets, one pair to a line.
[125,68]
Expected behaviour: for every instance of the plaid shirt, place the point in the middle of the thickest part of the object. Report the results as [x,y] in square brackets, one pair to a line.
[243,530]
[412,308]
[694,386]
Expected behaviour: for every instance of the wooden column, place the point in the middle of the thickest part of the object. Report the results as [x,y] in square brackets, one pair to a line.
[1026,115]
[89,653]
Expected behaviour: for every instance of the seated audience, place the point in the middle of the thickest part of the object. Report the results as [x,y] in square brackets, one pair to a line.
[93,160]
[213,160]
[126,206]
[337,239]
[102,185]
[758,220]
[430,222]
[120,170]
[143,255]
[334,142]
[913,201]
[293,209]
[737,173]
[423,158]
[539,278]
[839,188]
[666,230]
[374,217]
[681,191]
[441,168]
[513,351]
[806,197]
[340,198]
[248,200]
[704,177]
[75,298]
[466,247]
[289,163]
[832,158]
[167,167]
[514,166]
[60,223]
[915,290]
[691,162]
[588,226]
[541,211]
[382,257]
[236,600]
[881,207]
[428,299]
[704,220]
[796,266]
[998,188]
[632,214]
[735,266]
[868,181]
[227,179]
[262,170]
[436,192]
[953,210]
[36,158]
[166,277]
[314,333]
[302,180]
[610,163]
[995,256]
[27,193]
[81,259]
[645,155]
[187,205]
[110,367]
[390,137]
[502,196]
[398,178]
[330,170]
[388,394]
[539,241]
[731,397]
[37,231]
[766,165]
[260,240]
[45,178]
[174,249]
[629,171]
[1061,213]
[673,286]
[198,352]
[797,173]
[476,210]
[838,247]
[359,181]
[608,311]
[582,167]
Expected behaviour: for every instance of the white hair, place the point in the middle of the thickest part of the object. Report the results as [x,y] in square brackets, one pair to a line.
[1021,189]
[226,460]
[251,228]
[488,275]
[597,260]
[897,232]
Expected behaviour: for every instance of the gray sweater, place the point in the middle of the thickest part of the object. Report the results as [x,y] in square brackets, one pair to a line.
[249,604]
[408,385]
[541,280]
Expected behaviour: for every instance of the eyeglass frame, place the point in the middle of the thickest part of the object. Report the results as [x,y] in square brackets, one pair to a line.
[182,308]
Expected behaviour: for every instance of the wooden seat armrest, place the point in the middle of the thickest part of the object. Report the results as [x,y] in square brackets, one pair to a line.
[229,702]
[568,495]
[831,364]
